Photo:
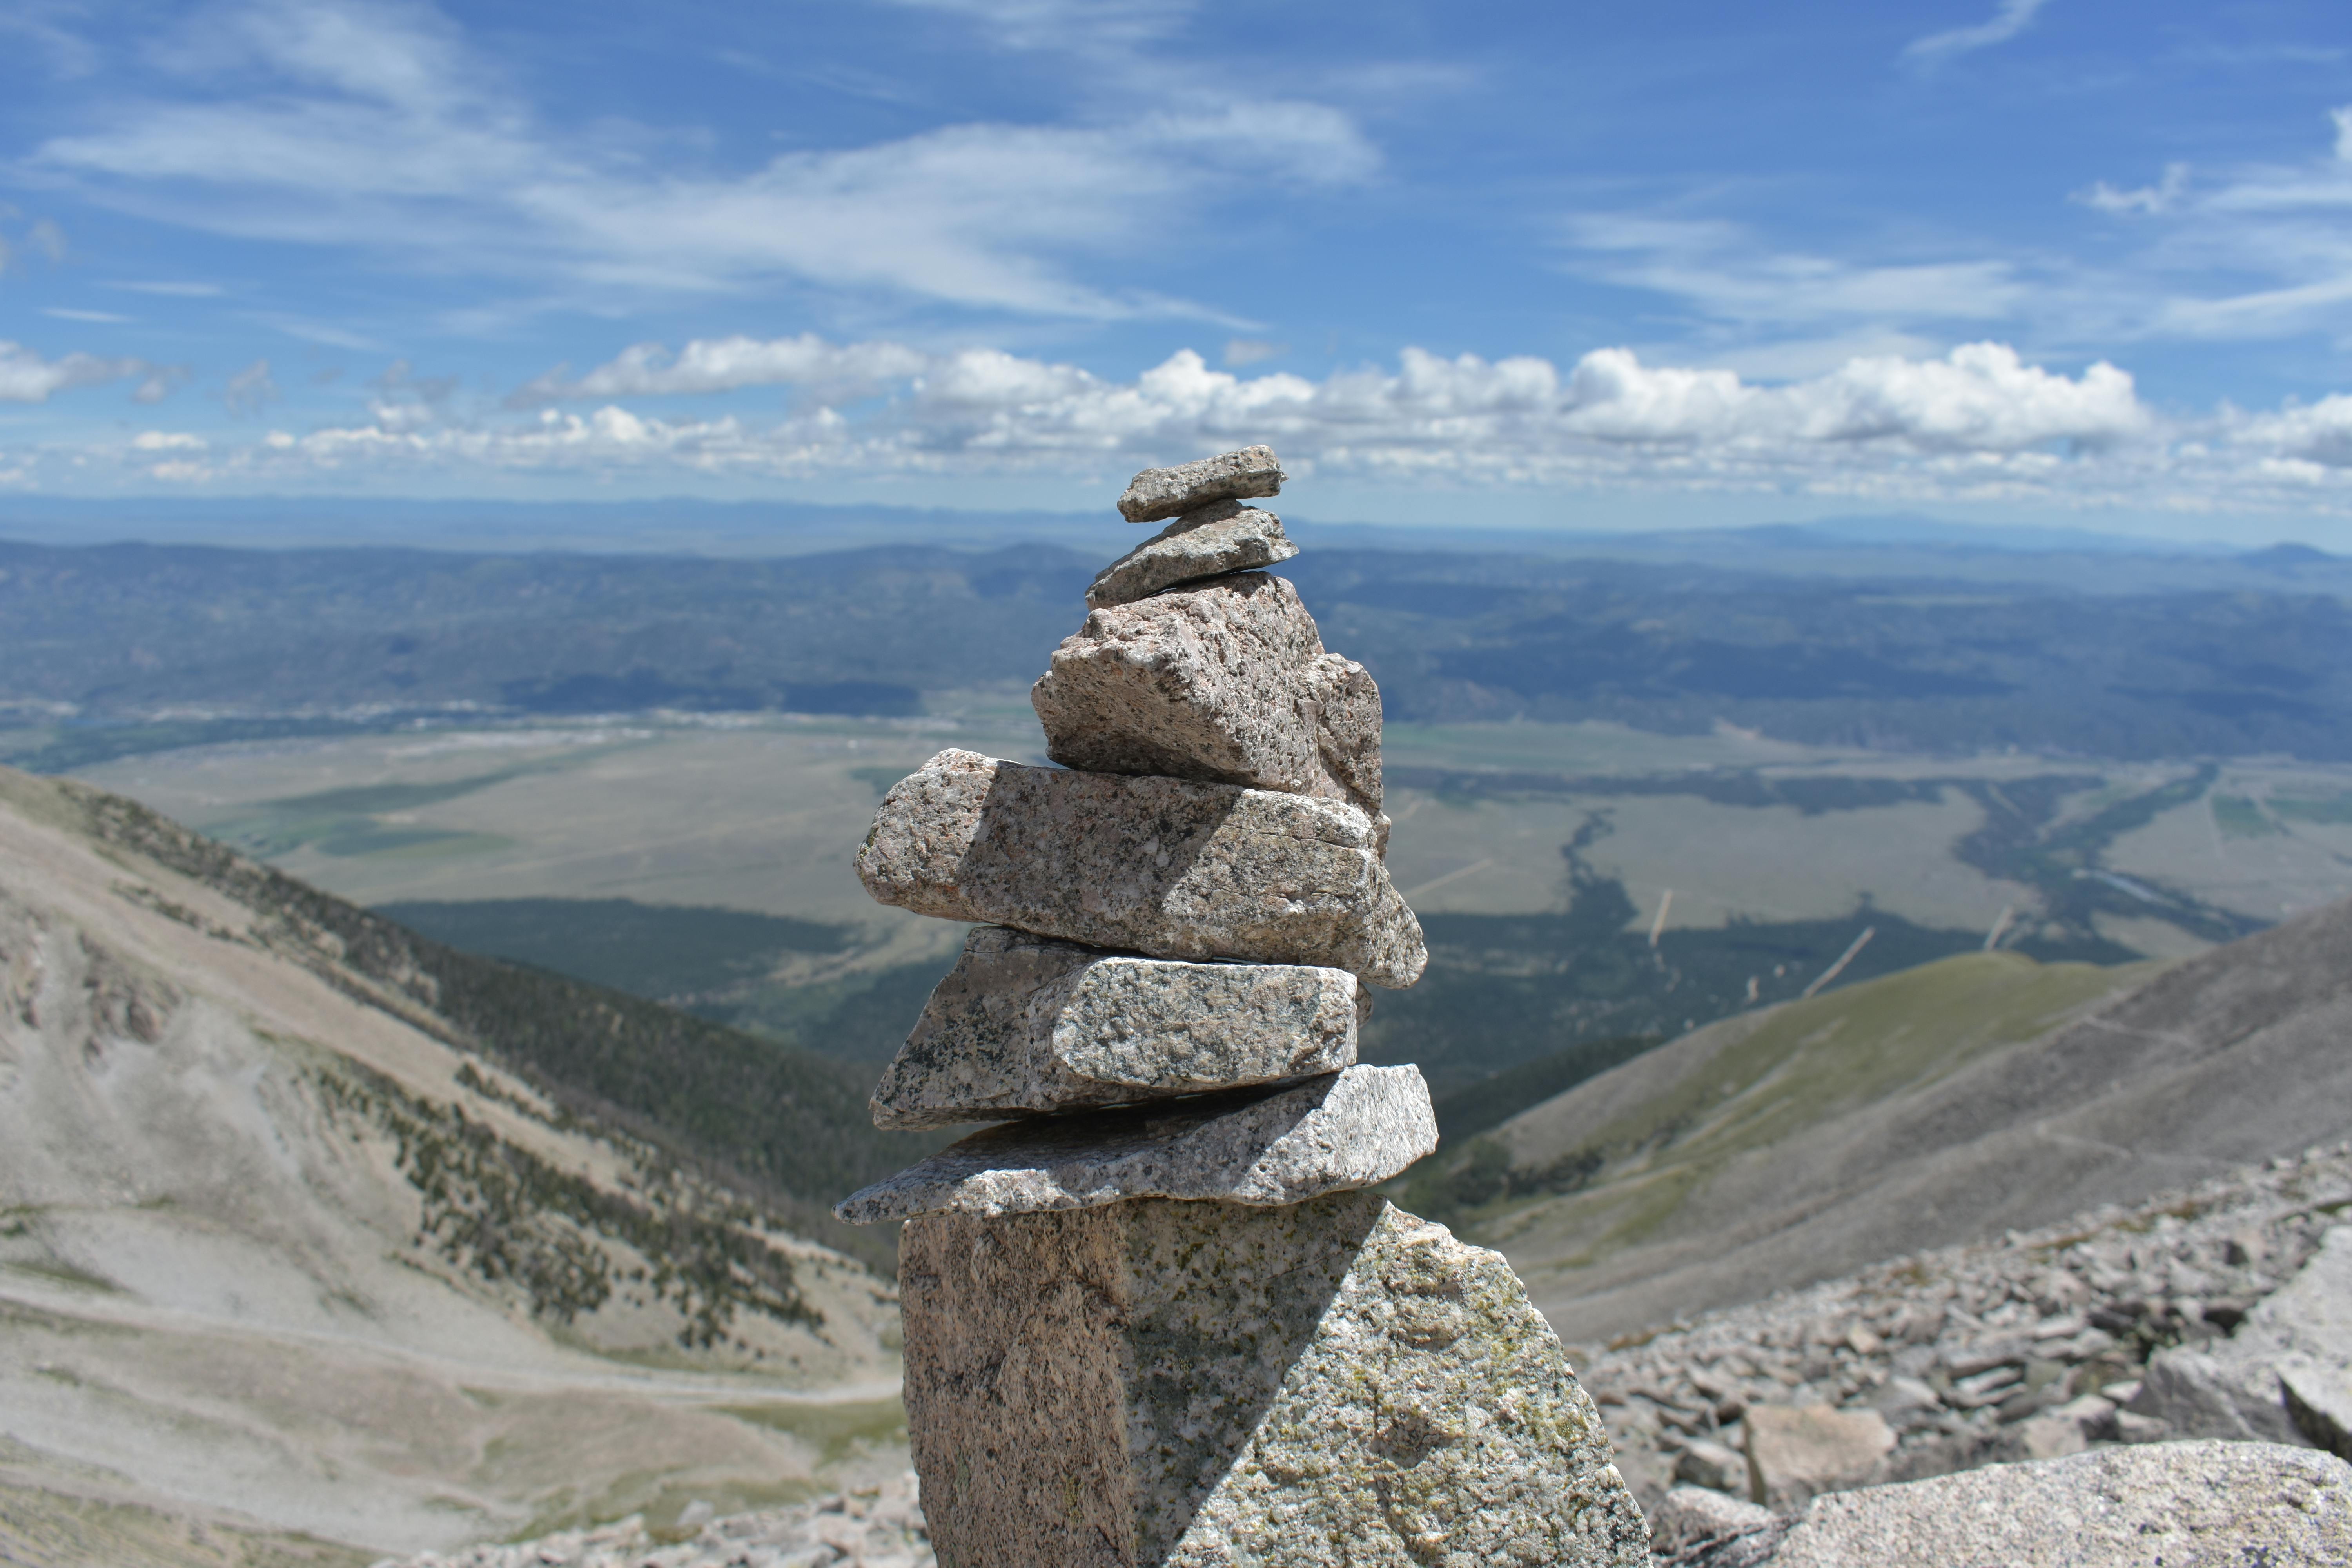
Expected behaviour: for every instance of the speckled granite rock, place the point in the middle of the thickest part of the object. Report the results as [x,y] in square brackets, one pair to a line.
[1251,1146]
[1158,493]
[1227,681]
[2161,1505]
[1023,1023]
[1188,1385]
[1163,867]
[1207,541]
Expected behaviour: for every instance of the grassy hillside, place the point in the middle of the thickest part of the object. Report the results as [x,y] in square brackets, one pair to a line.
[1623,1162]
[1939,1105]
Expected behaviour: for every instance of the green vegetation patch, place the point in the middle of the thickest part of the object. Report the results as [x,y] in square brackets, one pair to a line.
[2239,817]
[510,1217]
[656,951]
[2325,809]
[1807,1063]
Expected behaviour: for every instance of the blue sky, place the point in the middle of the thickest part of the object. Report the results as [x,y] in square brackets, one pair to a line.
[2007,260]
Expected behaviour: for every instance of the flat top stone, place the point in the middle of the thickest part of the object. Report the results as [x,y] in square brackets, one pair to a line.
[1023,1023]
[1158,493]
[1279,1145]
[1207,541]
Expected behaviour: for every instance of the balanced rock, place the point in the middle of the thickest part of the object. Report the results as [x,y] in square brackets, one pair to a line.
[1268,1145]
[1184,1386]
[1158,493]
[2158,1505]
[1209,542]
[1226,682]
[1023,1023]
[1168,868]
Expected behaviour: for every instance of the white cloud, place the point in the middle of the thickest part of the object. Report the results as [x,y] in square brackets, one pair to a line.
[724,364]
[1240,351]
[27,377]
[101,317]
[2156,198]
[1730,274]
[1975,424]
[2282,224]
[2009,19]
[381,129]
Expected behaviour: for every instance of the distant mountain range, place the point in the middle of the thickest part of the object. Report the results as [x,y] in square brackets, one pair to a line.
[115,649]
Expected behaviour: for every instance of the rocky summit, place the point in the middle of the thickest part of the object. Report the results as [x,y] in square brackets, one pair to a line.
[1160,1322]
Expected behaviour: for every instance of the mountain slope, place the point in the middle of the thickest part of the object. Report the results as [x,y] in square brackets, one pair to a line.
[298,1230]
[1934,1106]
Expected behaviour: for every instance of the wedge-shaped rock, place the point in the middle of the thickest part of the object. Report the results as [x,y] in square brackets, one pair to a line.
[1227,681]
[1257,1146]
[1193,1385]
[1158,493]
[1167,867]
[1205,543]
[1023,1023]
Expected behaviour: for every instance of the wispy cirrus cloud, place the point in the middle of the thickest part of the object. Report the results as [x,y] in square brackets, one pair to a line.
[2008,19]
[380,130]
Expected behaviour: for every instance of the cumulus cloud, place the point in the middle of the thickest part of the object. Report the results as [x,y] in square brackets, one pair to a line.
[1978,420]
[1978,424]
[2011,18]
[27,377]
[383,130]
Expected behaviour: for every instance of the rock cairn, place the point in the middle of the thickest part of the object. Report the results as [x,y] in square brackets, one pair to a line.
[1153,1316]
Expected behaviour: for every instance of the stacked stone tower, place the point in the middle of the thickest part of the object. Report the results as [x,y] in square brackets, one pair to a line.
[1153,1318]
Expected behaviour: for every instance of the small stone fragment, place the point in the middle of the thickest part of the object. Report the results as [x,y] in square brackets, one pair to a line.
[1208,542]
[1158,493]
[1712,1466]
[1269,1146]
[1163,867]
[2319,1402]
[1192,1384]
[1694,1524]
[1023,1023]
[1226,682]
[1796,1451]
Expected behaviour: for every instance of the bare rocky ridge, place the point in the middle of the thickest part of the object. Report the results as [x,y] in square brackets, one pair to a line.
[279,1254]
[2033,1346]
